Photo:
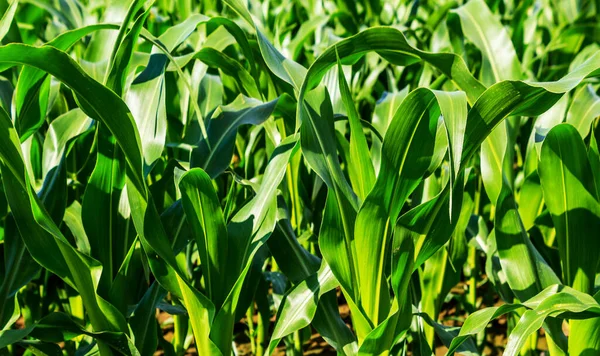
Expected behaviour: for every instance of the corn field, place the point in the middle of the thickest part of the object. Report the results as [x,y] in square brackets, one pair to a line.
[300,177]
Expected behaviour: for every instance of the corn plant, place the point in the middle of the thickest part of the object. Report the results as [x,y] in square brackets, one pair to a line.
[191,176]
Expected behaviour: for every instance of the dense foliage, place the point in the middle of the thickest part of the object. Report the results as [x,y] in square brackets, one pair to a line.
[185,175]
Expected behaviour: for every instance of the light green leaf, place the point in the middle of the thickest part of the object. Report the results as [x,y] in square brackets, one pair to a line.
[362,174]
[60,131]
[584,108]
[481,27]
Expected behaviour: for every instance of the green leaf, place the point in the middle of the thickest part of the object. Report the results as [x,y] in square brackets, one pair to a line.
[299,305]
[584,108]
[572,199]
[97,101]
[553,301]
[406,154]
[215,155]
[383,337]
[302,268]
[230,67]
[497,102]
[7,18]
[105,230]
[122,51]
[74,222]
[143,321]
[448,334]
[415,121]
[205,217]
[481,27]
[31,95]
[499,62]
[566,300]
[362,174]
[477,322]
[148,107]
[317,136]
[526,271]
[61,130]
[284,68]
[248,231]
[131,280]
[19,269]
[493,158]
[292,258]
[305,30]
[43,239]
[393,46]
[385,108]
[31,101]
[165,268]
[58,327]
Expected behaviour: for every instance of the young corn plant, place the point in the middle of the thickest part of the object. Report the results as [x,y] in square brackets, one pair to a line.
[209,177]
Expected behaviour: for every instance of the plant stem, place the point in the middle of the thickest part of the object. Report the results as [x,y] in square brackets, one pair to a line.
[251,329]
[263,324]
[297,344]
[180,326]
[473,277]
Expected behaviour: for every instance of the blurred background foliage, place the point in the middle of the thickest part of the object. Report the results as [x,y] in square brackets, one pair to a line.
[302,176]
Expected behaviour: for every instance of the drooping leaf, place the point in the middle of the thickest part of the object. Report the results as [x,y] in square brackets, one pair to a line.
[215,154]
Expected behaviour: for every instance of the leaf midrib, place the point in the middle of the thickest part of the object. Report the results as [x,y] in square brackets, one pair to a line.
[566,216]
